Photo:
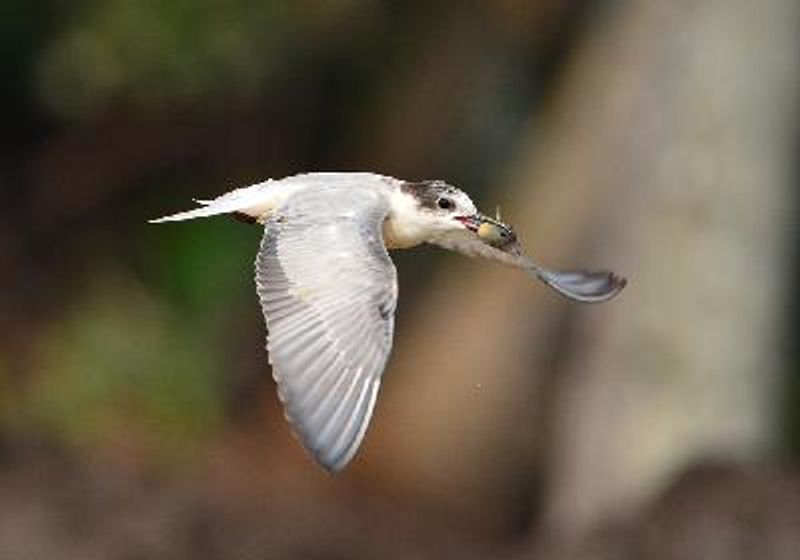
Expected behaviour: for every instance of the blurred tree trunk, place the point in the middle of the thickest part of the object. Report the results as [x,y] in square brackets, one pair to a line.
[667,155]
[698,114]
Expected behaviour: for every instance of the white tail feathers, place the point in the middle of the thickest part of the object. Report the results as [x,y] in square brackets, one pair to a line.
[255,201]
[203,212]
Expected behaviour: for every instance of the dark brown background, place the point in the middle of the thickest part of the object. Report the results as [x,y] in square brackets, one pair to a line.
[138,418]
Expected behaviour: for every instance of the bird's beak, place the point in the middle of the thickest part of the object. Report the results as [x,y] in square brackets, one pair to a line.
[491,231]
[472,223]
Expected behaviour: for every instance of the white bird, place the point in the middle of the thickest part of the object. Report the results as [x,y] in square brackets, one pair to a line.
[328,288]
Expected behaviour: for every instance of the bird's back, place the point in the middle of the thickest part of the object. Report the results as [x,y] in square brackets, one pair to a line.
[259,201]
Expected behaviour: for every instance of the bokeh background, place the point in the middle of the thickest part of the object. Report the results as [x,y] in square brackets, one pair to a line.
[138,418]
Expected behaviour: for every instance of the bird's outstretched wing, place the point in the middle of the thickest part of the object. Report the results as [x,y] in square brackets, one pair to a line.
[583,286]
[328,290]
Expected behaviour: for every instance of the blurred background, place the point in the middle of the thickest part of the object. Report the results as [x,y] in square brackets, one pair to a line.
[138,417]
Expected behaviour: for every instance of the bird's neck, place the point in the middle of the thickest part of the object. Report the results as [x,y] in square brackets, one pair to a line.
[405,226]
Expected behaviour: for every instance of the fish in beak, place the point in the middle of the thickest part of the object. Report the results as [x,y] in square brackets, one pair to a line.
[490,230]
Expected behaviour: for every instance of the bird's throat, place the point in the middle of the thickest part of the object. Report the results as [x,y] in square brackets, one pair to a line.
[398,234]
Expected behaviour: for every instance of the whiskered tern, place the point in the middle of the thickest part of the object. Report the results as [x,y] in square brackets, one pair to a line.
[328,288]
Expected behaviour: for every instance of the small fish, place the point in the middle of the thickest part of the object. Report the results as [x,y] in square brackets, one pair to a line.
[497,234]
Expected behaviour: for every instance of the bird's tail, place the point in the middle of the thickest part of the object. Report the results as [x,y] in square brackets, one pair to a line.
[202,212]
[247,200]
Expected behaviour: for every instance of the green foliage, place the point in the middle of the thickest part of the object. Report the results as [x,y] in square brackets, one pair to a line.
[152,52]
[118,367]
[205,265]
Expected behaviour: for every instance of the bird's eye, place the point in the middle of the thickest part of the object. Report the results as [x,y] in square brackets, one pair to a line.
[445,203]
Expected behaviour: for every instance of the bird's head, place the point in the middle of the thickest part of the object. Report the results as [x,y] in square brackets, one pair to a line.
[442,208]
[436,212]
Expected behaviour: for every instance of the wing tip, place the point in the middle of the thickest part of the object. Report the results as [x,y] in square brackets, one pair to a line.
[332,459]
[585,286]
[331,467]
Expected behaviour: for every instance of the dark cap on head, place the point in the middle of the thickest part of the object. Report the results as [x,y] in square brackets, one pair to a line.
[428,193]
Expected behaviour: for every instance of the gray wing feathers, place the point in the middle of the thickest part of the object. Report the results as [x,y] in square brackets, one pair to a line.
[328,291]
[583,286]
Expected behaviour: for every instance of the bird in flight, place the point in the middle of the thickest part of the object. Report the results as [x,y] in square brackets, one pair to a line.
[328,288]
